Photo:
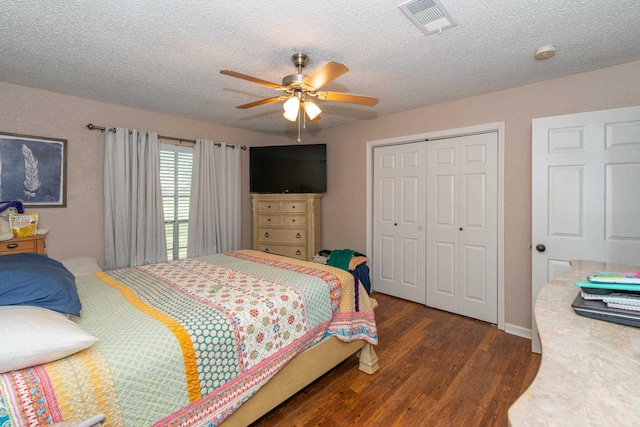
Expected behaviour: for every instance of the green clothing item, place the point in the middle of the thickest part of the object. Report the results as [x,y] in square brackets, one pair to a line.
[340,258]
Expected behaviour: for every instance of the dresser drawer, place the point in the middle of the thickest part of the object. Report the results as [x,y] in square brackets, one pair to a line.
[293,207]
[282,235]
[299,252]
[288,219]
[294,220]
[16,247]
[285,206]
[269,206]
[269,220]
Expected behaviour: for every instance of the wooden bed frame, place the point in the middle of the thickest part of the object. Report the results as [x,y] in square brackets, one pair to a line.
[301,371]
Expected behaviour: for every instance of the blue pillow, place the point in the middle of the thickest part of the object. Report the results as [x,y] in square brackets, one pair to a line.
[35,279]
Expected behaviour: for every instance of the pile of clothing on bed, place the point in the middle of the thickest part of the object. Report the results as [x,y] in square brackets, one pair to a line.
[348,260]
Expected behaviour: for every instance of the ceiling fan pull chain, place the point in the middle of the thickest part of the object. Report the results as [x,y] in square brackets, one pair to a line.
[304,115]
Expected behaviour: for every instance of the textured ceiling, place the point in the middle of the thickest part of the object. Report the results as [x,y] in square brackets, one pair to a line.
[165,55]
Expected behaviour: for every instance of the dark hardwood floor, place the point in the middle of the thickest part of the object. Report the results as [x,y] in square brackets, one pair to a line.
[436,369]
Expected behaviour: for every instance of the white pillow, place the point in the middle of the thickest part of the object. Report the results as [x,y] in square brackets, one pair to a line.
[35,335]
[81,266]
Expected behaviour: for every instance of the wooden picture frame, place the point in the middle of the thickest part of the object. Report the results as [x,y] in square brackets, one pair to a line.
[33,169]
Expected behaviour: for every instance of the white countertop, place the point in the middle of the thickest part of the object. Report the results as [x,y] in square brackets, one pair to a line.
[590,369]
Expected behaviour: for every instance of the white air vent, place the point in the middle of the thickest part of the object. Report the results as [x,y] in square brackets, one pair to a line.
[429,15]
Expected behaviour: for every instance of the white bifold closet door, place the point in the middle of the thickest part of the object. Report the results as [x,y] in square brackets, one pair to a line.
[435,223]
[462,226]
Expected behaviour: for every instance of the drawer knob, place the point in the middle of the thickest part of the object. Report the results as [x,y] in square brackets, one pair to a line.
[266,249]
[298,236]
[298,252]
[12,245]
[269,220]
[268,206]
[293,220]
[266,234]
[293,207]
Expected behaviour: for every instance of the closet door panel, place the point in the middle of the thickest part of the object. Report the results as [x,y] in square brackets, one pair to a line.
[442,219]
[462,223]
[478,228]
[399,221]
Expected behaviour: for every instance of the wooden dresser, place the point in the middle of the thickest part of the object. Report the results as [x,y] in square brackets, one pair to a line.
[287,224]
[23,244]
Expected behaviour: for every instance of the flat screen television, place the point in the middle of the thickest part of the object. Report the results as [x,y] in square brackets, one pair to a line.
[288,169]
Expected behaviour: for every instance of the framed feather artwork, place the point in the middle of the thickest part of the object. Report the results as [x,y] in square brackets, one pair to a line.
[33,169]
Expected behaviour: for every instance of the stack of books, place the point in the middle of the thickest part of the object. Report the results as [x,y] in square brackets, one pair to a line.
[610,295]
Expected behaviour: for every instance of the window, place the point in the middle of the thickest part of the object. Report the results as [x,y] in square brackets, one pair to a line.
[176,163]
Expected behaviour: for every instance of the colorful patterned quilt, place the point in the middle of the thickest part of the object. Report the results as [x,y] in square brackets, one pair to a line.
[185,343]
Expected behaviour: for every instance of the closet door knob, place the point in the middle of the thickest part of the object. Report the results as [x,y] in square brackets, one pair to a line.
[540,247]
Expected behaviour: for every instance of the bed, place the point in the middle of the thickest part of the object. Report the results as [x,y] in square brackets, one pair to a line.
[217,340]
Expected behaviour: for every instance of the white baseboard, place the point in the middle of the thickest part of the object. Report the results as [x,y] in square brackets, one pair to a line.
[517,330]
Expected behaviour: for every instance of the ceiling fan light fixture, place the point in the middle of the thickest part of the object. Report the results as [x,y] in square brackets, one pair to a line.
[291,108]
[311,109]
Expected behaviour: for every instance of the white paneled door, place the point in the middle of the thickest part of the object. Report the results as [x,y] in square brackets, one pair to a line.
[462,226]
[399,218]
[585,192]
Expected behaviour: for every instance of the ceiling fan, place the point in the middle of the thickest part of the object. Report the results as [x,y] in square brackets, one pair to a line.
[300,89]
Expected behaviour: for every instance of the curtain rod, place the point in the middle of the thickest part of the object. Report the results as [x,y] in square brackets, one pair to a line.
[91,126]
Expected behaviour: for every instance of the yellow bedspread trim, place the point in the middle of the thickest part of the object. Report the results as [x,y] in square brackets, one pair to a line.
[188,353]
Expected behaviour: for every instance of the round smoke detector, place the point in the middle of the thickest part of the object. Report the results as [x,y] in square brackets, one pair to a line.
[545,52]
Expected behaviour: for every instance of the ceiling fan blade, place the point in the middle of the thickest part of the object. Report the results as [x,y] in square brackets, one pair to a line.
[251,79]
[326,73]
[262,102]
[347,97]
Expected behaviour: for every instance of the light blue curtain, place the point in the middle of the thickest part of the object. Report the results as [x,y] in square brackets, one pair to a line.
[214,211]
[134,219]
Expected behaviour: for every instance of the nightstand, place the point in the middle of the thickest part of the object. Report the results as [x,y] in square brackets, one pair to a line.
[23,244]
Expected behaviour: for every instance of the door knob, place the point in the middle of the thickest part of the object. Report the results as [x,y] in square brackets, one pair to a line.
[540,247]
